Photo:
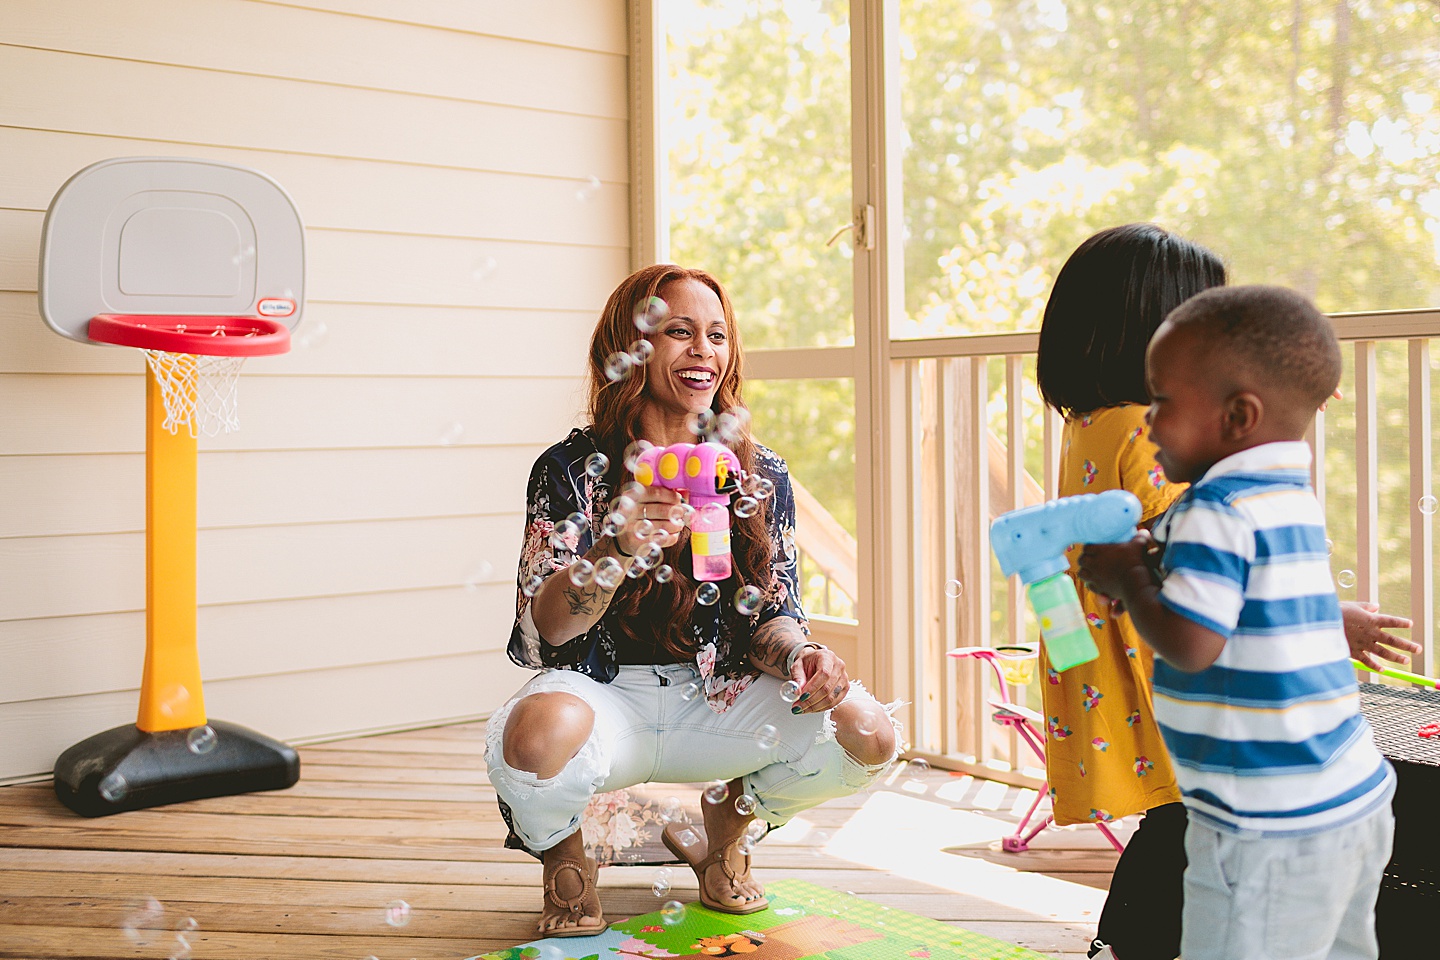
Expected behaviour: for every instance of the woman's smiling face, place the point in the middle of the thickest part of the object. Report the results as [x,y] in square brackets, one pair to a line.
[692,350]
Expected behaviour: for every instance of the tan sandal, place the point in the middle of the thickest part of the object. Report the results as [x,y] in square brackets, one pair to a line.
[574,905]
[689,845]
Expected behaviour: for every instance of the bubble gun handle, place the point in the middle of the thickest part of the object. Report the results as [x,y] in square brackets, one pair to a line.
[706,473]
[1031,542]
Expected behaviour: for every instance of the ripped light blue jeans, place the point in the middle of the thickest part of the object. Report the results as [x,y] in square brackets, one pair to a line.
[647,730]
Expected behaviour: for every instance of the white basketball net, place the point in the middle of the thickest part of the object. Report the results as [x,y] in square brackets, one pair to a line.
[199,391]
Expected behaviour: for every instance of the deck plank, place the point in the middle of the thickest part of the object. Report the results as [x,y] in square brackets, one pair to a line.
[306,873]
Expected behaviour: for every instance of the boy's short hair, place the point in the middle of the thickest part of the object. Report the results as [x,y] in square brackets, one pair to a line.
[1274,334]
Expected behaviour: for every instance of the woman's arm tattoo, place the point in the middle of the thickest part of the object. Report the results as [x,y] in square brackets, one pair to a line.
[773,643]
[584,601]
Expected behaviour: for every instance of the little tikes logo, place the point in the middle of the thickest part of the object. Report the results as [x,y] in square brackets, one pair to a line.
[275,307]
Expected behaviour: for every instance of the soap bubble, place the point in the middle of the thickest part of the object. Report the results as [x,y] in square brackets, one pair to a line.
[588,189]
[727,427]
[596,464]
[582,571]
[1345,578]
[663,573]
[608,573]
[681,513]
[745,845]
[701,422]
[181,949]
[174,700]
[483,269]
[651,314]
[748,599]
[641,351]
[673,913]
[451,433]
[707,594]
[532,586]
[790,691]
[670,809]
[917,768]
[648,554]
[644,529]
[687,837]
[624,505]
[746,506]
[744,804]
[757,486]
[187,925]
[767,737]
[397,913]
[756,829]
[690,691]
[633,490]
[953,589]
[143,920]
[1428,505]
[618,366]
[717,792]
[660,884]
[713,516]
[564,534]
[201,740]
[633,453]
[1329,547]
[581,522]
[479,575]
[614,523]
[314,335]
[114,787]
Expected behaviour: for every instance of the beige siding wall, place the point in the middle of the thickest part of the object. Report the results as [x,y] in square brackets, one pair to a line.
[461,169]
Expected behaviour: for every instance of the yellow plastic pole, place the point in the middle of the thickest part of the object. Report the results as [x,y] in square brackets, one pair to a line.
[170,695]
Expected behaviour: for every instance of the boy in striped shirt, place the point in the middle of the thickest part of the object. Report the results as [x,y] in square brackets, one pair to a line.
[1289,799]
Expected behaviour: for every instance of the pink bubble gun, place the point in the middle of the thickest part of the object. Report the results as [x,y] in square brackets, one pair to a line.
[707,473]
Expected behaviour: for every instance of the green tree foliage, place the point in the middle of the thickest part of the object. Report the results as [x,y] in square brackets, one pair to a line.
[1299,139]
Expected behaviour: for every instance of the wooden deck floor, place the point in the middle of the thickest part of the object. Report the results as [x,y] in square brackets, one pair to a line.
[307,873]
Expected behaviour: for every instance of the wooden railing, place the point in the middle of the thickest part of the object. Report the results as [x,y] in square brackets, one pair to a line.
[978,442]
[963,474]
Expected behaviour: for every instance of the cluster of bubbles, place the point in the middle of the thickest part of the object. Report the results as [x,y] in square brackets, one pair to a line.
[145,924]
[648,318]
[648,558]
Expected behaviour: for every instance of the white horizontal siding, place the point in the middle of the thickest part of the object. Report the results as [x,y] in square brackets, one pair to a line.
[462,171]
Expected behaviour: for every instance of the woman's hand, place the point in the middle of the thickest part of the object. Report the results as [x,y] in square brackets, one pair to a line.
[1365,628]
[655,505]
[823,680]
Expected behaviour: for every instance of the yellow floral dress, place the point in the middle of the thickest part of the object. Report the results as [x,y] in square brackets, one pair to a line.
[1104,756]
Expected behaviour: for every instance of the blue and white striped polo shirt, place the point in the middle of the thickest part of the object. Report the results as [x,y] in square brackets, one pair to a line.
[1270,737]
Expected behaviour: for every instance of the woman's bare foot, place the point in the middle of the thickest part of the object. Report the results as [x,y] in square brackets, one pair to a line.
[571,903]
[723,826]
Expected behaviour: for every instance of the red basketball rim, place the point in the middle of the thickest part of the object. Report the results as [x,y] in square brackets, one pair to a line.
[200,335]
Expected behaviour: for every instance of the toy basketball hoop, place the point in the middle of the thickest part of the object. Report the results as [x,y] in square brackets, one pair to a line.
[195,361]
[199,265]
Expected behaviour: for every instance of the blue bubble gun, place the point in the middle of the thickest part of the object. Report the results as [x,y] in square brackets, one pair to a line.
[1032,541]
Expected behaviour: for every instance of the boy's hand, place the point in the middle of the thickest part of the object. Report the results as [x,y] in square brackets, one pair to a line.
[1365,632]
[1109,568]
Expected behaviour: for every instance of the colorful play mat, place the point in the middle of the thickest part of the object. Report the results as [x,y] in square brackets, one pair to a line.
[802,921]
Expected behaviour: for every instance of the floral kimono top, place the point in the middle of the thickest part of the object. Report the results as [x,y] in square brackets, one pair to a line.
[559,485]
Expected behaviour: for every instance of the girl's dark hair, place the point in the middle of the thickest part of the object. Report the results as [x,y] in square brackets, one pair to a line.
[649,610]
[1107,302]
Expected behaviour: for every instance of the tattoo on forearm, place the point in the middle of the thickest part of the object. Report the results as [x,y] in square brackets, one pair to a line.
[584,601]
[773,643]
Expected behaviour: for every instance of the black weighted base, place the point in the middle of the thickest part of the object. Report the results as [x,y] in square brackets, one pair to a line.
[128,769]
